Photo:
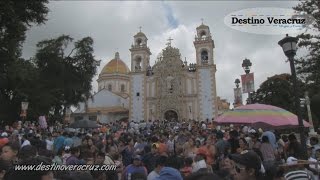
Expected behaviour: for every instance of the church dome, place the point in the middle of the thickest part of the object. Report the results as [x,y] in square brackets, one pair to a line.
[140,34]
[116,65]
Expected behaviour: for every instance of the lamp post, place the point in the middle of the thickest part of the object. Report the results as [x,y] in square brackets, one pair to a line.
[246,65]
[289,47]
[237,94]
[307,103]
[237,82]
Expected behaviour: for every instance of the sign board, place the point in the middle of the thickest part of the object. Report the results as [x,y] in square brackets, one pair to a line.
[247,83]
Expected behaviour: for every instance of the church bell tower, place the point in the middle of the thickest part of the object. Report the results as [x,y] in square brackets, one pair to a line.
[206,70]
[140,61]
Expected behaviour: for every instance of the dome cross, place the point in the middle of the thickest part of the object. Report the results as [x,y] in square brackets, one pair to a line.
[169,41]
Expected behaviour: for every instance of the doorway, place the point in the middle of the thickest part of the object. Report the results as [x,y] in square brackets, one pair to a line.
[171,115]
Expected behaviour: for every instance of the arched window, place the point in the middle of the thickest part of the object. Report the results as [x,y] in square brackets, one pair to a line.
[138,63]
[122,88]
[109,87]
[204,56]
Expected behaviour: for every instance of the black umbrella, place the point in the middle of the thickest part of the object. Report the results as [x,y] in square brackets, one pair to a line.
[84,124]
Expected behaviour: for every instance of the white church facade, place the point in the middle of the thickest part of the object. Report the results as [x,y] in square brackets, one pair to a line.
[169,89]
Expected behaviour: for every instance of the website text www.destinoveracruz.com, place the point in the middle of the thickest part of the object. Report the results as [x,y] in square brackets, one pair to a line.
[58,167]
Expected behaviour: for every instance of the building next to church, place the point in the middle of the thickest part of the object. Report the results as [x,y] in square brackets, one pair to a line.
[170,89]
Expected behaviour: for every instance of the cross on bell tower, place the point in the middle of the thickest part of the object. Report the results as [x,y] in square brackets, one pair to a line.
[169,41]
[140,28]
[202,20]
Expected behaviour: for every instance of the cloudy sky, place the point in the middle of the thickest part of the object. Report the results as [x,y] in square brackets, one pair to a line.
[112,25]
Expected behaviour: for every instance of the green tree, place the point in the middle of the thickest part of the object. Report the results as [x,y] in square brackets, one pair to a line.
[65,78]
[277,91]
[308,67]
[15,19]
[315,106]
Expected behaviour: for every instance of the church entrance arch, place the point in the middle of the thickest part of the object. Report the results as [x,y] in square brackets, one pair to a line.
[171,115]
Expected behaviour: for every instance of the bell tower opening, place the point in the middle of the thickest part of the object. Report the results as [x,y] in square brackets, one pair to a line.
[139,42]
[203,34]
[204,57]
[138,60]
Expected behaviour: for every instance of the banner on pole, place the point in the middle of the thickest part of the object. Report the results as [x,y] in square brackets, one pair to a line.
[247,83]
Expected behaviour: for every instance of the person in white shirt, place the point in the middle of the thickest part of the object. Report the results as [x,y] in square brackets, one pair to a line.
[49,143]
[170,144]
[204,126]
[25,141]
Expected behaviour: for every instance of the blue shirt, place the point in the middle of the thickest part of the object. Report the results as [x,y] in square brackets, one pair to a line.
[58,143]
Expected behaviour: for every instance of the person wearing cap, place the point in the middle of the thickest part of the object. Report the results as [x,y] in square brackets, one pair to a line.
[134,170]
[247,166]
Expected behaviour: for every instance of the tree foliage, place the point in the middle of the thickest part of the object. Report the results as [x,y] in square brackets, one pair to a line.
[55,78]
[15,73]
[278,91]
[308,67]
[65,75]
[315,106]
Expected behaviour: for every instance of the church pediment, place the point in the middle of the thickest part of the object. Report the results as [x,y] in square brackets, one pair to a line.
[168,60]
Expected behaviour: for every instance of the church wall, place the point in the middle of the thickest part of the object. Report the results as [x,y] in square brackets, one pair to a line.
[189,86]
[214,93]
[194,109]
[205,85]
[193,86]
[150,85]
[148,89]
[149,110]
[105,99]
[152,89]
[137,97]
[116,85]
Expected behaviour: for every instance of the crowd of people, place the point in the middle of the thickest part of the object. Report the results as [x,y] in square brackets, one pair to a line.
[157,150]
